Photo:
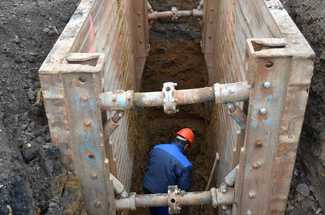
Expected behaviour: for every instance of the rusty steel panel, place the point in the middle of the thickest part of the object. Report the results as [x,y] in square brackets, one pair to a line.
[210,13]
[263,129]
[51,81]
[225,64]
[53,96]
[236,21]
[91,30]
[140,30]
[87,141]
[122,72]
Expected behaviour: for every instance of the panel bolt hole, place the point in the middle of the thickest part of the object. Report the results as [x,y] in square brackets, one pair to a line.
[269,64]
[82,80]
[91,156]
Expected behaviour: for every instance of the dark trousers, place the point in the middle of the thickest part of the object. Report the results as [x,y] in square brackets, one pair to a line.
[156,210]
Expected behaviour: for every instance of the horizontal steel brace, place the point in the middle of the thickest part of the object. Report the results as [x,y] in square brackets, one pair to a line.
[214,197]
[220,93]
[174,14]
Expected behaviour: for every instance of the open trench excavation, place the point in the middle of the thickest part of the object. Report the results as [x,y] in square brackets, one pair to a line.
[175,56]
[32,177]
[96,75]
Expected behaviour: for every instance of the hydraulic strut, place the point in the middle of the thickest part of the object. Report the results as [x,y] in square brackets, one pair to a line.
[169,97]
[176,198]
[174,14]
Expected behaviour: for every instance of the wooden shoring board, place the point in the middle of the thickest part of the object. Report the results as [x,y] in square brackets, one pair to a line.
[257,159]
[300,74]
[82,85]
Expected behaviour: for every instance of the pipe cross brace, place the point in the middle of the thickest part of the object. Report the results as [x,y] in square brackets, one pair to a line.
[169,97]
[174,14]
[177,198]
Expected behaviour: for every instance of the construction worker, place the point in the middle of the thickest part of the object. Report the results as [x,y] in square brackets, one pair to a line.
[168,165]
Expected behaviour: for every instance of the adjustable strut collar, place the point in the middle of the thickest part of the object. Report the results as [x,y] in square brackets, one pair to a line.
[170,105]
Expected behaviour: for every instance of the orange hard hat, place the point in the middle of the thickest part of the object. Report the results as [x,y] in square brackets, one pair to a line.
[187,134]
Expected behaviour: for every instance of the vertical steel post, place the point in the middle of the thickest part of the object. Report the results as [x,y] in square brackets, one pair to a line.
[82,85]
[269,65]
[138,16]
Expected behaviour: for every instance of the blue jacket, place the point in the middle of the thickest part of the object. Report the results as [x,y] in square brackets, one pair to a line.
[167,166]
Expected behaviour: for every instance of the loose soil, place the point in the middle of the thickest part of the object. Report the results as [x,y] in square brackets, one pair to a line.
[32,178]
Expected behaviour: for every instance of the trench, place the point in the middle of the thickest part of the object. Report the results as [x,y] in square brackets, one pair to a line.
[175,56]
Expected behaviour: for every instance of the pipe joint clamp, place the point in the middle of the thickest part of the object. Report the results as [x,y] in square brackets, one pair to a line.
[231,92]
[170,105]
[119,100]
[175,15]
[173,204]
[214,197]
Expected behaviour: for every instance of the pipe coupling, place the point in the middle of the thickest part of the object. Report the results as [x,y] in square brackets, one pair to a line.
[175,14]
[214,197]
[222,196]
[132,202]
[173,203]
[231,92]
[119,100]
[170,105]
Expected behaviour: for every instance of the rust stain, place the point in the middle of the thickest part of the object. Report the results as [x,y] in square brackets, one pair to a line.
[91,33]
[284,149]
[55,140]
